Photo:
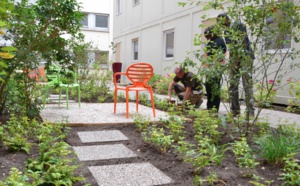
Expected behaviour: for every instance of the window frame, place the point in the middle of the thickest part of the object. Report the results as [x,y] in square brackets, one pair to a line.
[118,7]
[103,15]
[135,45]
[92,58]
[135,2]
[274,48]
[87,20]
[165,52]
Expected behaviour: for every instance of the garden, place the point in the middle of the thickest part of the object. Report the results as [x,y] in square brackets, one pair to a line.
[193,147]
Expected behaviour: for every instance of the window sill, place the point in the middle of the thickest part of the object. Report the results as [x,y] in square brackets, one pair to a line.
[95,29]
[169,59]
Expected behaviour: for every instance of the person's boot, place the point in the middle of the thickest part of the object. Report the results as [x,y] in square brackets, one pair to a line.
[198,103]
[180,97]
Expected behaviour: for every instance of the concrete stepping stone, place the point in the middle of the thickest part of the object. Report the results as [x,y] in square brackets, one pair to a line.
[101,136]
[103,152]
[141,174]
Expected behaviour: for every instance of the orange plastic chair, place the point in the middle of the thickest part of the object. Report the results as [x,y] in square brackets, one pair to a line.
[139,74]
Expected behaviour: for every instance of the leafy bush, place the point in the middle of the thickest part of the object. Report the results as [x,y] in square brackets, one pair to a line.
[294,91]
[162,84]
[266,93]
[96,87]
[154,79]
[291,171]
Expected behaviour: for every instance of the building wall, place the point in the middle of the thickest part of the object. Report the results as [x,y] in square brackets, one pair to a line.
[149,19]
[100,37]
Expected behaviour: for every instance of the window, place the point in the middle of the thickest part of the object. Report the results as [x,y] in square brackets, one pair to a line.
[118,7]
[95,21]
[278,31]
[169,44]
[135,2]
[85,21]
[135,49]
[101,21]
[97,59]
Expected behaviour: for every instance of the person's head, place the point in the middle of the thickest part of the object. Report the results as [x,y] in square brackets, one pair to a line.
[223,19]
[179,71]
[209,33]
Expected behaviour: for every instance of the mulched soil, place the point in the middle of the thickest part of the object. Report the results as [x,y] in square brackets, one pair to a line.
[170,163]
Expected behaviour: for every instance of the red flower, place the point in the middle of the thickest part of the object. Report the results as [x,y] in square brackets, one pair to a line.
[271,81]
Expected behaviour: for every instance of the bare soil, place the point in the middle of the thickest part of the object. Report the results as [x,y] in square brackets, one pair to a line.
[170,163]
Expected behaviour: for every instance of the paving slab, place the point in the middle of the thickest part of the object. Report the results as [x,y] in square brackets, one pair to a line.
[103,152]
[101,136]
[135,174]
[96,113]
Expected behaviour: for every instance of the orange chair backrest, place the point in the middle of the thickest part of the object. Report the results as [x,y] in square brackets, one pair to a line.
[139,73]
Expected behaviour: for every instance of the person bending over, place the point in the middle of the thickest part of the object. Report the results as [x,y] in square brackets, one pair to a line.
[191,88]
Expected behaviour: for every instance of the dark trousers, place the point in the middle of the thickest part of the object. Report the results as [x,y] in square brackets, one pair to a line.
[213,89]
[235,76]
[178,89]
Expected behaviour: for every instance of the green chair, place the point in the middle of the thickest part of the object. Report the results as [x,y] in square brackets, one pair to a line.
[67,86]
[52,80]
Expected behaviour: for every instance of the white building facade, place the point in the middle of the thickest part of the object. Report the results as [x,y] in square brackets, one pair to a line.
[162,33]
[97,28]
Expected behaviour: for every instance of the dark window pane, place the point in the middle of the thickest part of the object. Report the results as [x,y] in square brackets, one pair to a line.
[84,22]
[102,21]
[170,45]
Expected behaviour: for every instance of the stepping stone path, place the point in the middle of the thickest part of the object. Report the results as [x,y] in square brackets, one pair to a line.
[139,174]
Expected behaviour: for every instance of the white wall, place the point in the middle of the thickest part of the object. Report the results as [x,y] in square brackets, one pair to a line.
[100,38]
[148,20]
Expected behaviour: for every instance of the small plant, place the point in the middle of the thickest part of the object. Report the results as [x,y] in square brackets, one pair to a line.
[211,179]
[291,170]
[266,93]
[206,154]
[183,147]
[15,135]
[258,181]
[243,156]
[16,177]
[294,91]
[143,99]
[141,122]
[206,125]
[175,125]
[157,137]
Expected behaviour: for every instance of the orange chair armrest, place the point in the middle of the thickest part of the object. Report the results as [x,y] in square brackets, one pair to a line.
[118,73]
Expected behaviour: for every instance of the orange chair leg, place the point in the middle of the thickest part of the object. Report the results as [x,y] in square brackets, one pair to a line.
[115,100]
[137,100]
[127,105]
[152,102]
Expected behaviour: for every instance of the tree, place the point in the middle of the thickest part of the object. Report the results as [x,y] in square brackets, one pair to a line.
[271,25]
[40,32]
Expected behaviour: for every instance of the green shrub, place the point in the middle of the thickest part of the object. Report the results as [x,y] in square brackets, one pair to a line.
[291,171]
[276,145]
[162,84]
[141,122]
[154,79]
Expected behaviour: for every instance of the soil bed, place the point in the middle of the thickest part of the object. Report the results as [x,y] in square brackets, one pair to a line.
[169,163]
